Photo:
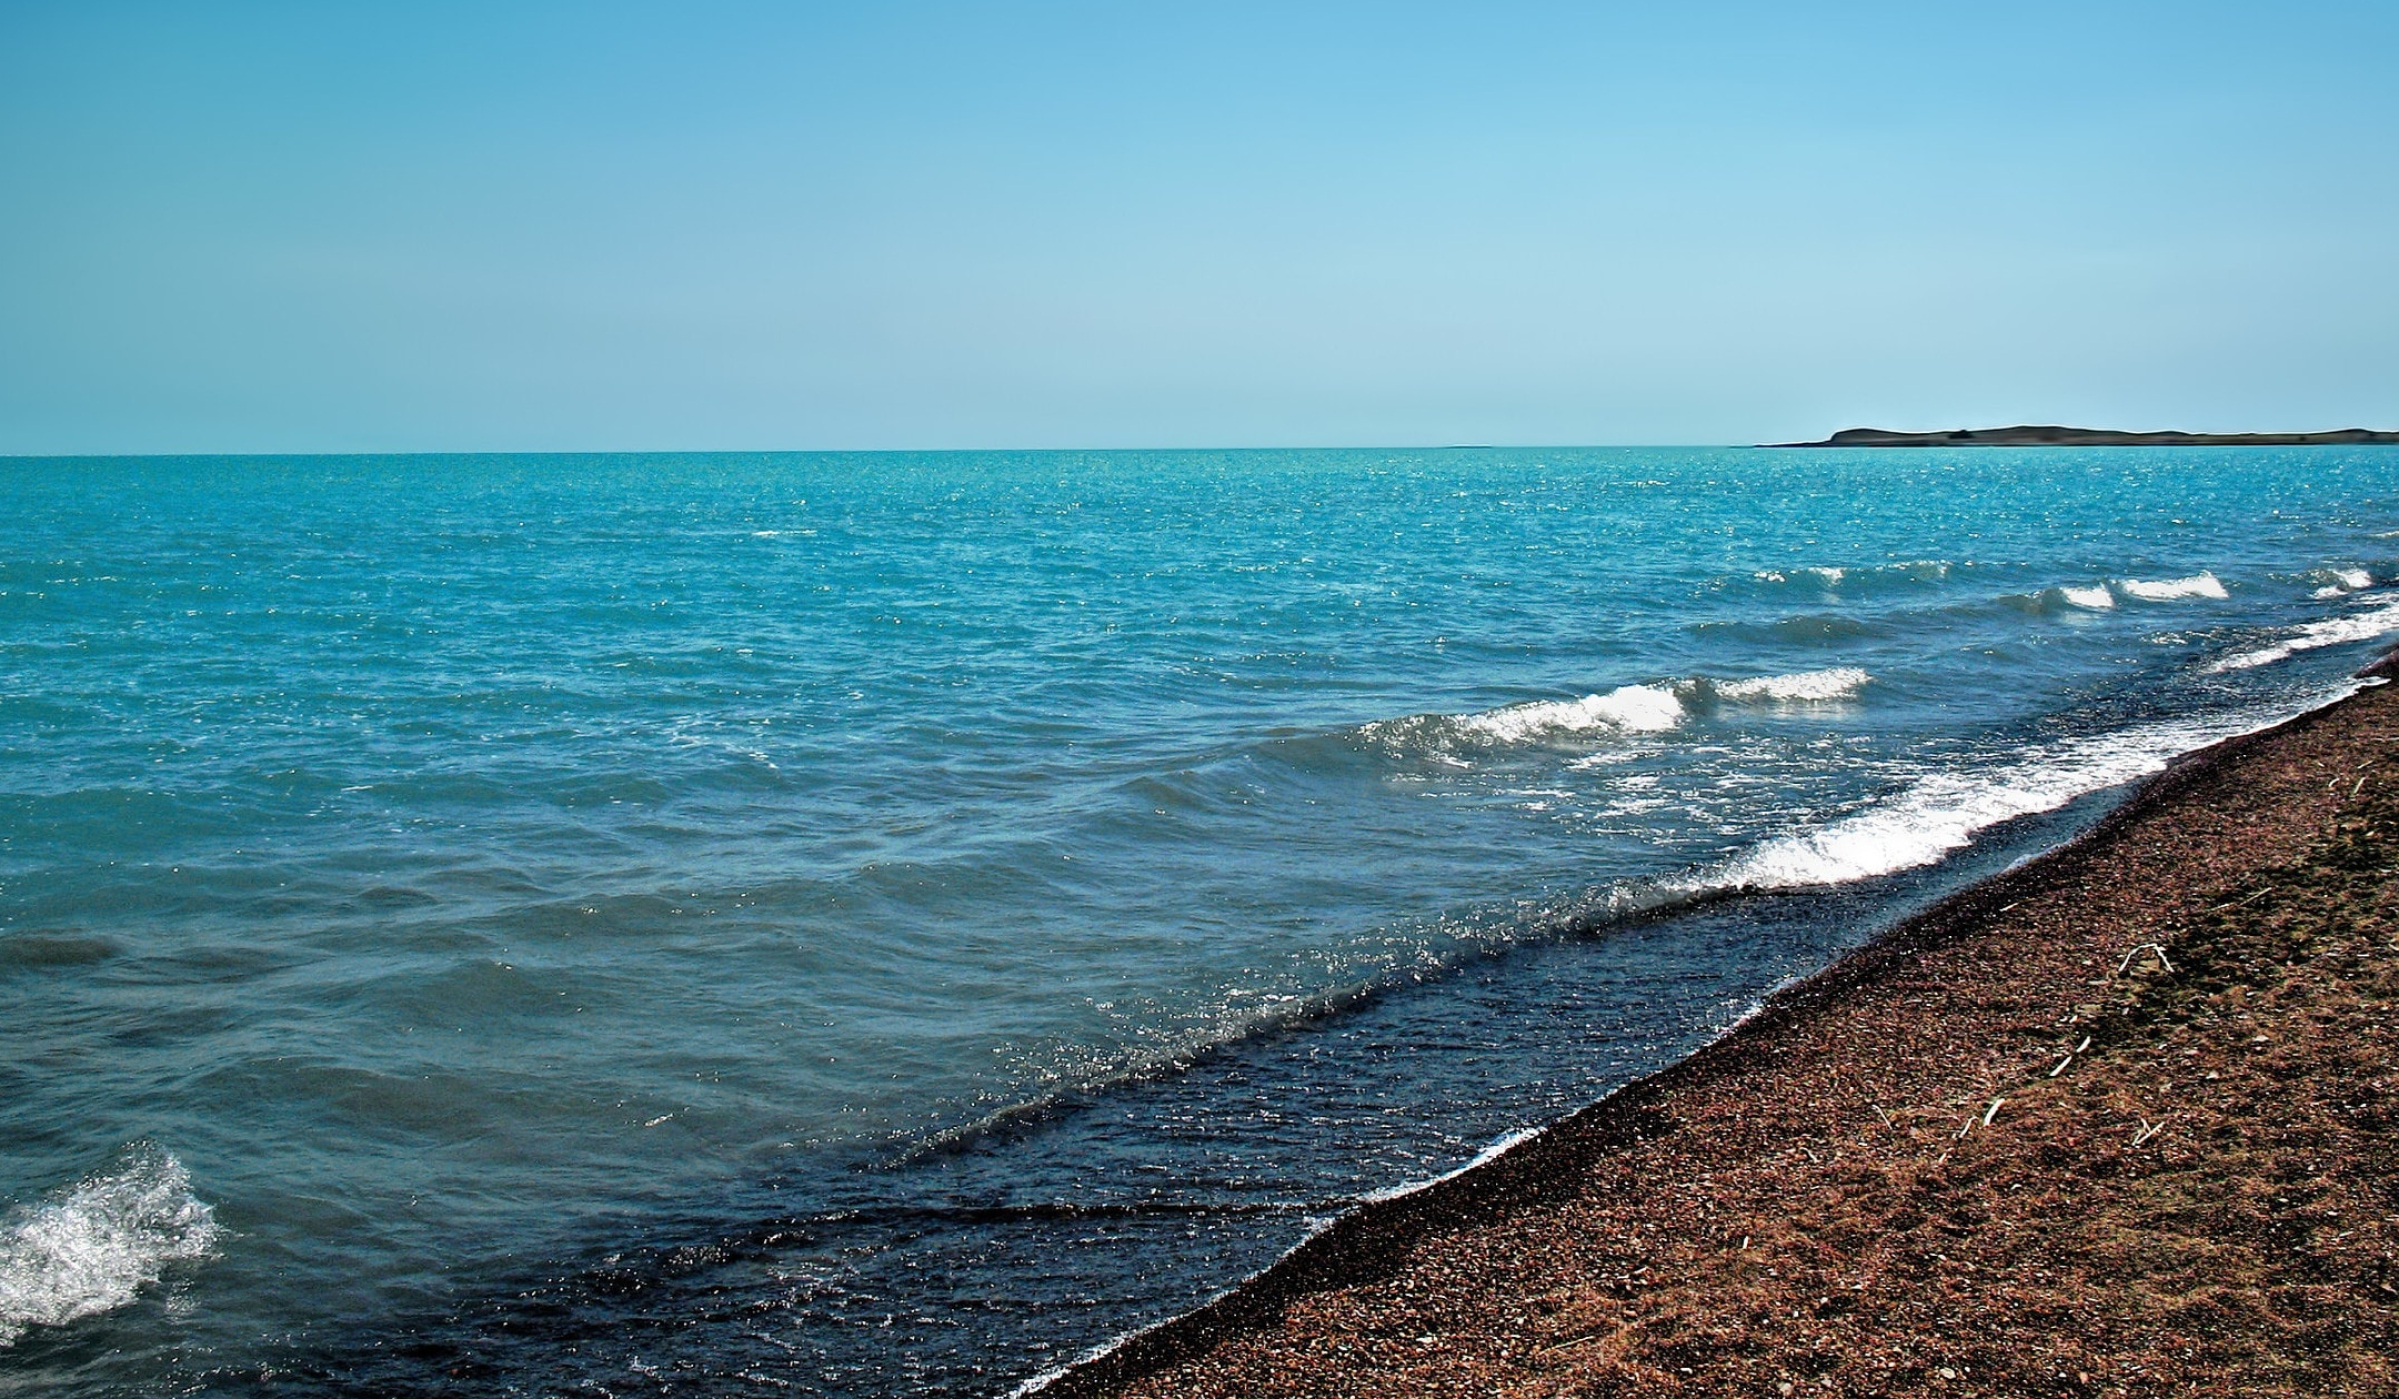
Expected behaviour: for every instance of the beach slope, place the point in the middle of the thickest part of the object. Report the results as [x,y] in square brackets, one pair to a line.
[2117,1122]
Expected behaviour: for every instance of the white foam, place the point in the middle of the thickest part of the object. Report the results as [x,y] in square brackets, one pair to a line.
[1840,682]
[2201,584]
[1943,812]
[1626,709]
[1501,1147]
[2364,624]
[91,1247]
[2092,598]
[2338,581]
[1830,575]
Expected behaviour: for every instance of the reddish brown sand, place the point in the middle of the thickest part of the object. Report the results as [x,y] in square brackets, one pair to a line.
[2119,1122]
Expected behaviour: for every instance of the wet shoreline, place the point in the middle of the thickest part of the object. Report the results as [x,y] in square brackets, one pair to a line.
[1848,1139]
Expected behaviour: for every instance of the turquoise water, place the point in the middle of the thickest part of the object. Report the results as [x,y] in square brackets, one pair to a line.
[884,924]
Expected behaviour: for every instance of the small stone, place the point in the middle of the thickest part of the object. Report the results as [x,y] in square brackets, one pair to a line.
[1948,1374]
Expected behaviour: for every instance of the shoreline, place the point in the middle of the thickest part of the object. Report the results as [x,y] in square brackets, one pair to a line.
[1618,1223]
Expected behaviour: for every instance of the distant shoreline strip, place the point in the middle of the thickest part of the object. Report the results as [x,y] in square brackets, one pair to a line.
[2047,436]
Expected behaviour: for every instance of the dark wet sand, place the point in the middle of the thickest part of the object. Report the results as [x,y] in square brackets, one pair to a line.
[1911,1176]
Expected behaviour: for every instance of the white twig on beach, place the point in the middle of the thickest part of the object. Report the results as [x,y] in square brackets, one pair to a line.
[2157,947]
[1993,1112]
[2148,1129]
[2061,1066]
[2085,1045]
[1886,1117]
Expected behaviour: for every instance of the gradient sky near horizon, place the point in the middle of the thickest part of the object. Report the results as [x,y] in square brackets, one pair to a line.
[295,227]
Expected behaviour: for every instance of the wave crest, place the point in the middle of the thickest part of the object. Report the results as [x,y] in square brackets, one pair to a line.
[1627,709]
[2201,584]
[1840,682]
[1943,813]
[2362,625]
[2337,581]
[92,1246]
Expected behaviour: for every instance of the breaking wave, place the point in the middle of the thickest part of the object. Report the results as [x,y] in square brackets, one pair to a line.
[92,1246]
[2364,624]
[1821,573]
[1838,683]
[2201,584]
[1627,709]
[2337,581]
[2101,597]
[1943,812]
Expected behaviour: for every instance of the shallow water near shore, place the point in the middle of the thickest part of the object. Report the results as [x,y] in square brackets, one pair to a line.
[885,924]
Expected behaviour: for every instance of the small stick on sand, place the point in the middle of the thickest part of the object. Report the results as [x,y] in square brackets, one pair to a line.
[2148,1130]
[2157,947]
[1994,1112]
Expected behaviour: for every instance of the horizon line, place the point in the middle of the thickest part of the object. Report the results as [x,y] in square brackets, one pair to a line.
[351,453]
[221,454]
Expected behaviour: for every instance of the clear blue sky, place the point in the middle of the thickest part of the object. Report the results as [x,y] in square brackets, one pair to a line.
[233,227]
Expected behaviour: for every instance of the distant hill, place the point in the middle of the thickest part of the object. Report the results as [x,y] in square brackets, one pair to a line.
[2093,437]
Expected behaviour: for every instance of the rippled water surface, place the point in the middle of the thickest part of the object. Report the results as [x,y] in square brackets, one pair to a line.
[884,924]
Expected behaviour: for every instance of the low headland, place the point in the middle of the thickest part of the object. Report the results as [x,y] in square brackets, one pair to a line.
[2117,1122]
[2048,436]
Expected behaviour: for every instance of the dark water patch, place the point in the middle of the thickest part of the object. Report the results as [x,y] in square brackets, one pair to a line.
[389,897]
[36,951]
[1806,629]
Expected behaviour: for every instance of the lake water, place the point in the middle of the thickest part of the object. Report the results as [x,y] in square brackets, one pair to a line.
[885,924]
